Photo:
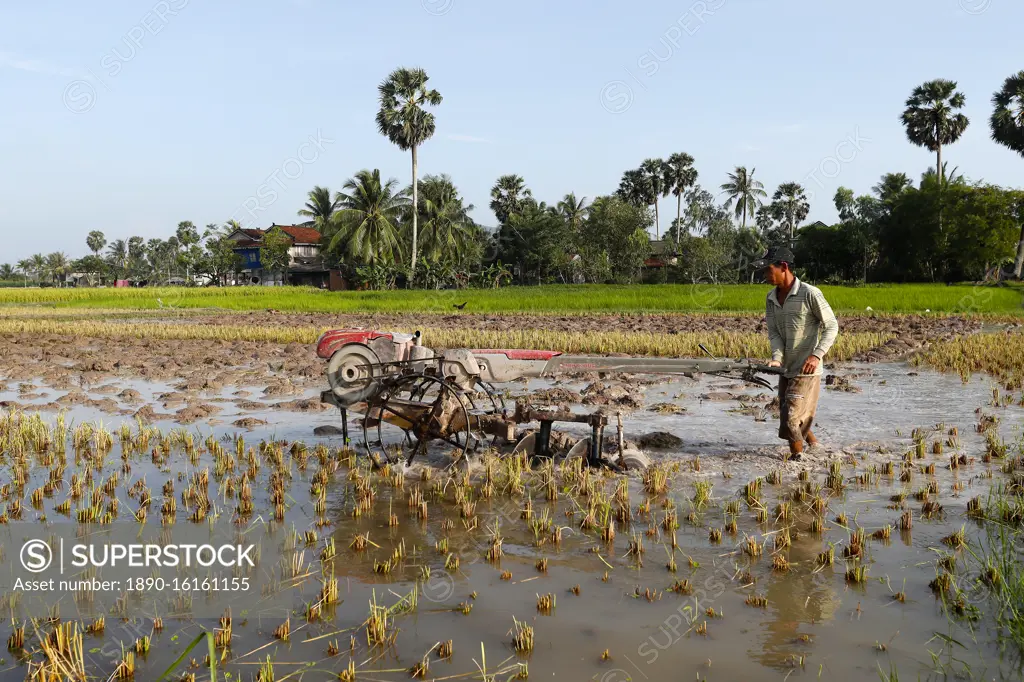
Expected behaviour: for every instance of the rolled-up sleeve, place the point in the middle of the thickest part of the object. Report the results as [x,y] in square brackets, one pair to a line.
[775,339]
[829,324]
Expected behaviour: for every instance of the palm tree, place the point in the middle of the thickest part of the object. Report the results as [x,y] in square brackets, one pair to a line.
[1007,125]
[654,172]
[117,252]
[25,267]
[635,189]
[790,206]
[96,241]
[320,207]
[6,272]
[891,186]
[680,175]
[744,192]
[57,265]
[509,196]
[573,211]
[447,228]
[367,218]
[407,124]
[38,266]
[931,119]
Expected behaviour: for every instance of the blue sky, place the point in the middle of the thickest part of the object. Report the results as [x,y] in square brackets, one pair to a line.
[128,116]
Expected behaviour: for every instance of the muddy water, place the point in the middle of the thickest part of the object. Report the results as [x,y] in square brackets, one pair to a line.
[814,625]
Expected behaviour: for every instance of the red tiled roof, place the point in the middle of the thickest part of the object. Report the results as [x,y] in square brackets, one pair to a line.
[301,235]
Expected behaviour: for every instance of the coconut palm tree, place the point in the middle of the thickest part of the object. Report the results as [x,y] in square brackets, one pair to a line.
[6,272]
[38,266]
[320,207]
[744,192]
[446,228]
[368,217]
[57,265]
[654,172]
[25,267]
[1007,125]
[117,253]
[790,206]
[891,186]
[509,196]
[680,175]
[931,116]
[403,119]
[573,211]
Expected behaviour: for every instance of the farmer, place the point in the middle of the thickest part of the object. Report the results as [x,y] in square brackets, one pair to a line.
[801,330]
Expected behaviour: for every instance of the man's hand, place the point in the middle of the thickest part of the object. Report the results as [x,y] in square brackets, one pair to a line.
[774,363]
[811,366]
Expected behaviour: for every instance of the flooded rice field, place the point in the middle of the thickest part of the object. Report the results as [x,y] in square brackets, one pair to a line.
[722,561]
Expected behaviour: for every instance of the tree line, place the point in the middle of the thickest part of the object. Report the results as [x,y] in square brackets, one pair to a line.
[944,228]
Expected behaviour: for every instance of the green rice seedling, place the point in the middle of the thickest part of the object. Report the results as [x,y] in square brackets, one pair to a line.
[883,533]
[715,535]
[856,575]
[545,603]
[752,492]
[804,475]
[974,507]
[522,637]
[731,526]
[818,525]
[780,563]
[757,601]
[541,565]
[702,494]
[752,548]
[906,521]
[681,586]
[957,540]
[783,512]
[942,584]
[774,477]
[655,480]
[827,557]
[732,508]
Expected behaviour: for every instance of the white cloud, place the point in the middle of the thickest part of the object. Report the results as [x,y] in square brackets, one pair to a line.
[13,61]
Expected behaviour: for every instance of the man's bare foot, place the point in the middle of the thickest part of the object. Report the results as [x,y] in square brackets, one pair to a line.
[795,449]
[812,440]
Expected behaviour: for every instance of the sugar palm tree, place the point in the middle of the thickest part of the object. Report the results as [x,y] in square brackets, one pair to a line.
[509,196]
[320,207]
[744,192]
[404,120]
[573,210]
[368,217]
[680,175]
[95,241]
[931,116]
[790,206]
[654,172]
[635,189]
[1007,125]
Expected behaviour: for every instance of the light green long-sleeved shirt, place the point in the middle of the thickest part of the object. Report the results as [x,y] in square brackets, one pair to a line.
[804,325]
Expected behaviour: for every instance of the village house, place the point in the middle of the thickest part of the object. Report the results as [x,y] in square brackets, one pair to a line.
[306,267]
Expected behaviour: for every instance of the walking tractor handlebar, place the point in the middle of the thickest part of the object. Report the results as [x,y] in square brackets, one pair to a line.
[391,378]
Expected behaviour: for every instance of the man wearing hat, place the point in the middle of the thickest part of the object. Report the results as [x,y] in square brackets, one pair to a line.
[801,330]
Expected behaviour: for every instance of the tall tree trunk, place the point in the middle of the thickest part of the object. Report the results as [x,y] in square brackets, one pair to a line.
[744,224]
[679,215]
[1018,265]
[415,217]
[657,222]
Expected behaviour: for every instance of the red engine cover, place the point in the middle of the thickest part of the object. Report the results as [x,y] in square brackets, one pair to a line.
[331,341]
